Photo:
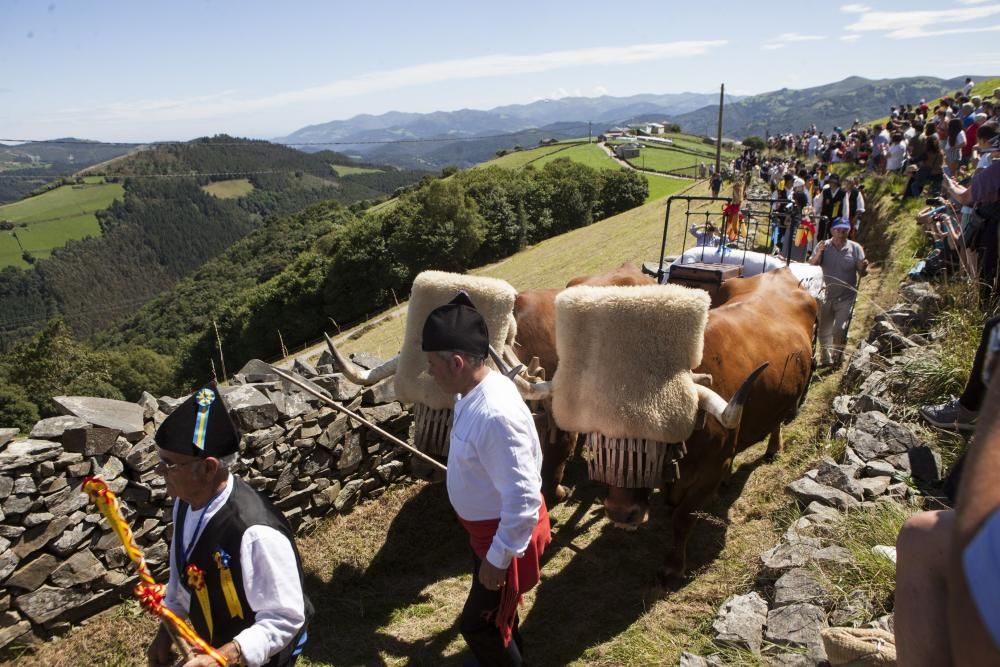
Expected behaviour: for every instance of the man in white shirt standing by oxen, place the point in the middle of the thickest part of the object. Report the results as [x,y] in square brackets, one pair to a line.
[235,573]
[494,480]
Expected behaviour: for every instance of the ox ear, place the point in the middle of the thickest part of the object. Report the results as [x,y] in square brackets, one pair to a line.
[355,373]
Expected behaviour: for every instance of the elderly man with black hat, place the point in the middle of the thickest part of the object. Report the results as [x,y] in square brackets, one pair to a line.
[494,479]
[234,570]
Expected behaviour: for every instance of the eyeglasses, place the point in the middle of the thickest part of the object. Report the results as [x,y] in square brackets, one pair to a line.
[167,466]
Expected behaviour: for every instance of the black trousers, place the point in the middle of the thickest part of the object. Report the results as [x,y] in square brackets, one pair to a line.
[478,626]
[975,390]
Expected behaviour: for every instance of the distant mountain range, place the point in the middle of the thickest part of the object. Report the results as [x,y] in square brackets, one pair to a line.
[832,105]
[467,137]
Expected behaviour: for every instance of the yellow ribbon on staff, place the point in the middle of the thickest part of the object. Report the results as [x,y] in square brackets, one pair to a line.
[228,588]
[196,580]
[149,593]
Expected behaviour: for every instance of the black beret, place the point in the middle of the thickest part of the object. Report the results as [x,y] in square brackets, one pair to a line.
[456,327]
[200,426]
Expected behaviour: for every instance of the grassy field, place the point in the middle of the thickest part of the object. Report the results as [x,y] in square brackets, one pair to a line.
[520,159]
[389,579]
[55,217]
[347,170]
[231,189]
[591,155]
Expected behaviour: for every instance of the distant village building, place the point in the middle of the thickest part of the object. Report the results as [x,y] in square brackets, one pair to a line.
[627,151]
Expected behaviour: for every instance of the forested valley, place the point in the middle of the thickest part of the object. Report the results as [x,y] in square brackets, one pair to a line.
[291,274]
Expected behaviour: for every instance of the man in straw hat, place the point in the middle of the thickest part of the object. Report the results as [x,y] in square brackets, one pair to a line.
[234,569]
[494,479]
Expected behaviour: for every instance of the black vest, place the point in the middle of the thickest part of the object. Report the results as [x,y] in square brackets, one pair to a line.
[224,533]
[852,202]
[833,204]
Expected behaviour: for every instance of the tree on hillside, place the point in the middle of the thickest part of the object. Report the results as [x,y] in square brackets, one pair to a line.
[439,227]
[622,190]
[755,142]
[52,363]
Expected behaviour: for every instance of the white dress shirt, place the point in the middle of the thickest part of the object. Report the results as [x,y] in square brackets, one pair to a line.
[270,582]
[495,464]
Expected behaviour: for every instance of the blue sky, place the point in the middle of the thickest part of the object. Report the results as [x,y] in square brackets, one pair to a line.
[142,71]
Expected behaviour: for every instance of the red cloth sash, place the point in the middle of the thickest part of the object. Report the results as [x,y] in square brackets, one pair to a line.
[522,574]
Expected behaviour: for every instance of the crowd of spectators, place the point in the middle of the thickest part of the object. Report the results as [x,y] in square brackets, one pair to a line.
[947,601]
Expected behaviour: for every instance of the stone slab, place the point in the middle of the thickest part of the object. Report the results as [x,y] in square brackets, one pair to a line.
[109,413]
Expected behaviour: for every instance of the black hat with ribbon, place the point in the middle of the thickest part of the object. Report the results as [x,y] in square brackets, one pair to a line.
[456,327]
[200,426]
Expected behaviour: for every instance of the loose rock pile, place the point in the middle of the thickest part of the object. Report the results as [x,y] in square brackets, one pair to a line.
[59,560]
[883,461]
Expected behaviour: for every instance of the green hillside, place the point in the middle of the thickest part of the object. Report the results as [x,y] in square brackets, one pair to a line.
[47,221]
[231,189]
[583,153]
[173,208]
[348,170]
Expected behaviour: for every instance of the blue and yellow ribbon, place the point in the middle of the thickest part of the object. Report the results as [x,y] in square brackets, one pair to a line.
[204,399]
[228,588]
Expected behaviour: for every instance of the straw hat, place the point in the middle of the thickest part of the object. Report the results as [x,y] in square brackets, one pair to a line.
[858,647]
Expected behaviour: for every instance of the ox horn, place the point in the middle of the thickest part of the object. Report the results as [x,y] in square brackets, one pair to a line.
[533,391]
[355,373]
[728,414]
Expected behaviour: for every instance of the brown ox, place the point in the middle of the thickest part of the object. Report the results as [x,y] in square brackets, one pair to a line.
[535,312]
[767,318]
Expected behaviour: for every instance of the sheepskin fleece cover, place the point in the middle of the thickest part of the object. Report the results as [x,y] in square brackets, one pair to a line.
[494,299]
[625,360]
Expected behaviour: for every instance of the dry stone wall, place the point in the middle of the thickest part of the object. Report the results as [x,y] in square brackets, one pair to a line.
[59,560]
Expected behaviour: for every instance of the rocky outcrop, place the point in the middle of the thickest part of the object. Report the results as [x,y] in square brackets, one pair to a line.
[59,560]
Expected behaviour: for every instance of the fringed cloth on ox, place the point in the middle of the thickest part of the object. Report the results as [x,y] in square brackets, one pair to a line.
[625,361]
[627,463]
[522,574]
[432,429]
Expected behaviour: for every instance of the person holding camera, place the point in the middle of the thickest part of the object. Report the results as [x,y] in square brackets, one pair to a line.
[843,262]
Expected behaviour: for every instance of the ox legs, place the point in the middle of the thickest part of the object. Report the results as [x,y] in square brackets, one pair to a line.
[675,565]
[557,446]
[774,444]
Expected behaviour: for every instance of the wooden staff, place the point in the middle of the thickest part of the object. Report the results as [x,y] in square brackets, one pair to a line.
[353,415]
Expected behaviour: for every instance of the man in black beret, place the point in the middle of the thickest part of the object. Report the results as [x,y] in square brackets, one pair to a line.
[494,480]
[235,573]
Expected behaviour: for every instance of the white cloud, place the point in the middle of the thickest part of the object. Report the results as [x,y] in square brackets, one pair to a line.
[788,38]
[856,9]
[911,24]
[403,77]
[600,90]
[850,38]
[972,2]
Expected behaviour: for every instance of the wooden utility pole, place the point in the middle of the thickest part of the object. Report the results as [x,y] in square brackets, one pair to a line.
[718,134]
[590,133]
[218,340]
